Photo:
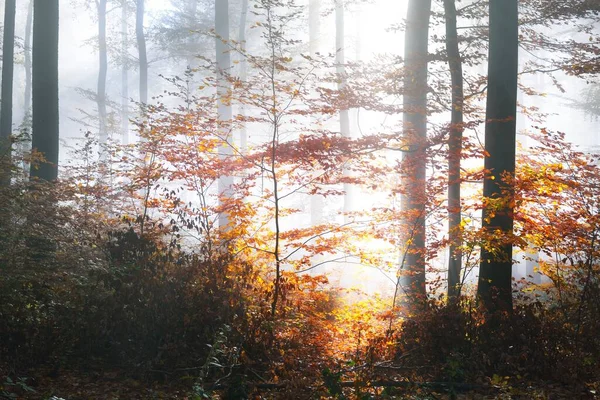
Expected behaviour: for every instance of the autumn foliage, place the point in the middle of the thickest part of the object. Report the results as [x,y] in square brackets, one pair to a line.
[125,266]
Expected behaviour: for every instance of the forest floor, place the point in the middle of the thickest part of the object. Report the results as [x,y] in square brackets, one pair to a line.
[49,384]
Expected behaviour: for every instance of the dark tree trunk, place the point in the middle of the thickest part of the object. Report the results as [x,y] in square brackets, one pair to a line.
[45,89]
[143,57]
[102,70]
[8,48]
[454,151]
[495,273]
[415,160]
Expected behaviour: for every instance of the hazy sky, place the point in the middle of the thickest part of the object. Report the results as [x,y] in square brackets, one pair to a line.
[78,59]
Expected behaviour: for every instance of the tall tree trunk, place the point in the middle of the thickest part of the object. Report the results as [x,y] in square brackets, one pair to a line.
[358,43]
[8,63]
[143,56]
[340,61]
[414,161]
[494,289]
[124,74]
[102,71]
[223,94]
[27,62]
[45,89]
[314,39]
[243,72]
[454,152]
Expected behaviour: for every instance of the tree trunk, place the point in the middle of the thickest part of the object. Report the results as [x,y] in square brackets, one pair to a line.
[8,63]
[45,89]
[243,72]
[454,152]
[124,75]
[340,61]
[102,71]
[414,162]
[27,51]
[314,32]
[223,94]
[494,289]
[143,57]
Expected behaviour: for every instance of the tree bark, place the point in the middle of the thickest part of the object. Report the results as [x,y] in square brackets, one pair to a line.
[414,162]
[124,75]
[102,71]
[454,152]
[340,61]
[27,63]
[314,32]
[243,72]
[45,89]
[142,55]
[8,64]
[494,289]
[223,98]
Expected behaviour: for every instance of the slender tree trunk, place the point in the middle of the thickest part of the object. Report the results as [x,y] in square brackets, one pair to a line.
[243,72]
[27,62]
[143,57]
[102,71]
[24,145]
[495,272]
[358,43]
[314,38]
[223,93]
[340,60]
[454,152]
[45,89]
[414,162]
[124,75]
[8,64]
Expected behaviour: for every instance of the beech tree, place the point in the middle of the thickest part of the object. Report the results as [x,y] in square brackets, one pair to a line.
[454,150]
[223,57]
[415,159]
[8,46]
[314,31]
[102,71]
[27,61]
[494,288]
[142,53]
[124,73]
[243,71]
[45,89]
[340,60]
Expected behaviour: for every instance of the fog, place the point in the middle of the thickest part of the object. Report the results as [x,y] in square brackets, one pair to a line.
[369,33]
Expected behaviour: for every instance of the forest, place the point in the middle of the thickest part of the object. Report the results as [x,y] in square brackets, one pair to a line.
[300,199]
